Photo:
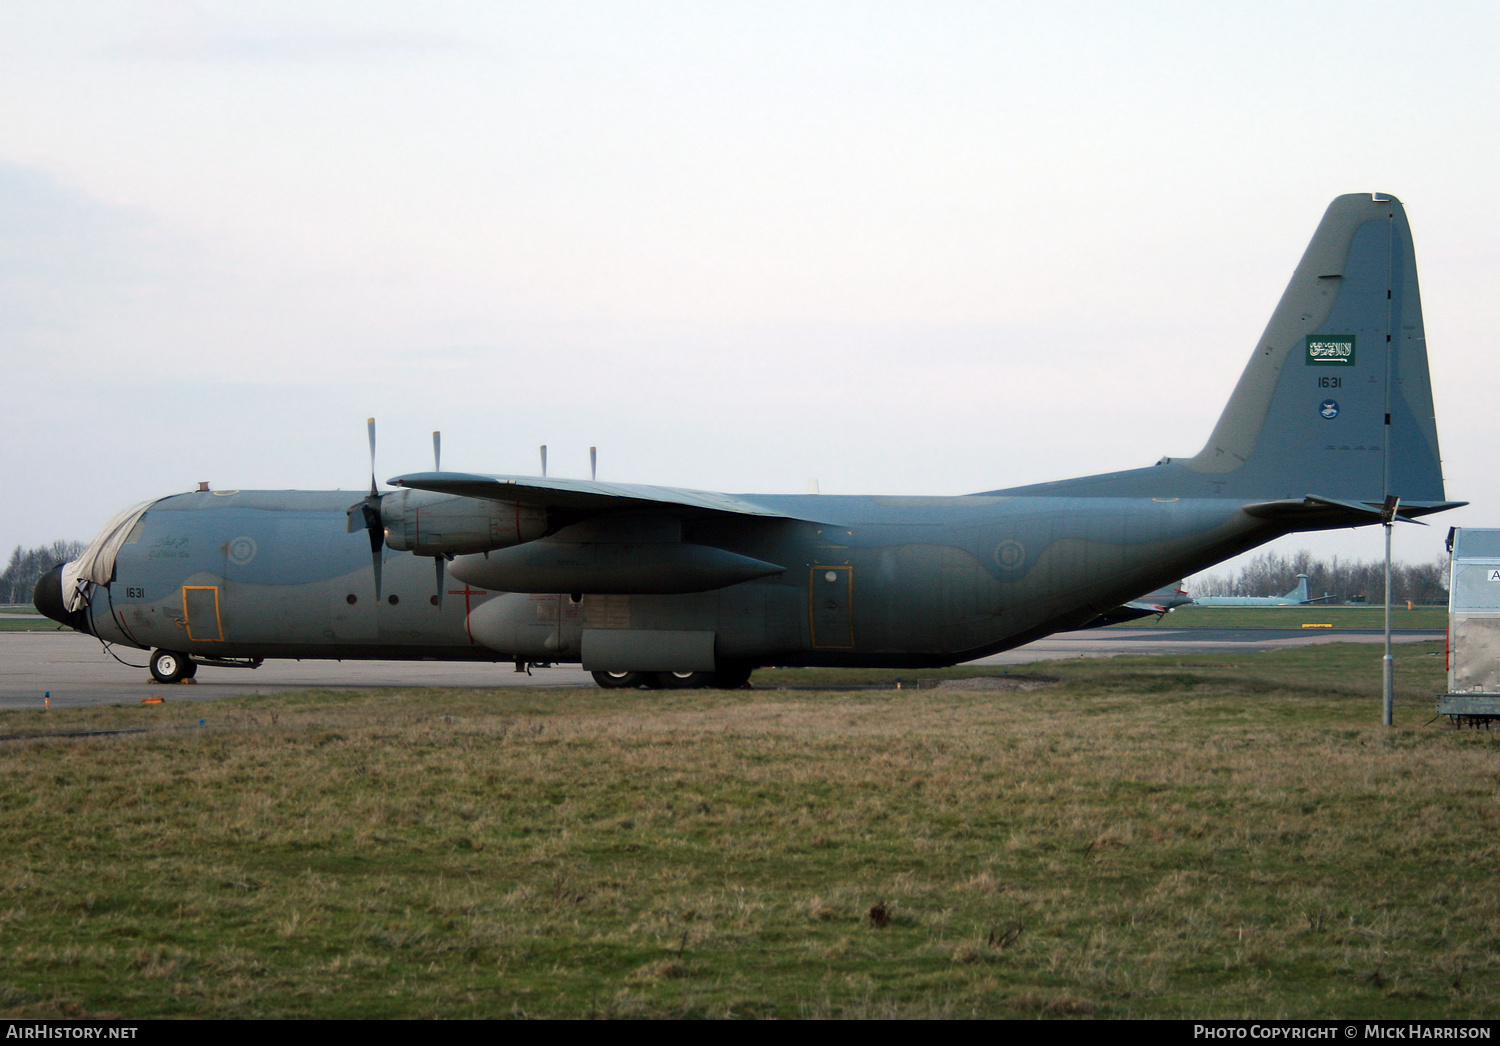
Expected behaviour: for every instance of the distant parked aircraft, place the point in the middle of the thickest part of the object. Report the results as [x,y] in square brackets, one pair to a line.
[1296,597]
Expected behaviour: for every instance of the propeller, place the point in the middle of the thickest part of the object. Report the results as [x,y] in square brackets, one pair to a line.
[439,562]
[369,513]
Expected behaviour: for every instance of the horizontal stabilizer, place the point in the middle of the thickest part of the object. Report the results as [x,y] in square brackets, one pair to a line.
[1318,513]
[585,495]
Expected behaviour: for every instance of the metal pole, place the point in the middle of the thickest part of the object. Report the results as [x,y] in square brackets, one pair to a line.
[1392,501]
[1388,693]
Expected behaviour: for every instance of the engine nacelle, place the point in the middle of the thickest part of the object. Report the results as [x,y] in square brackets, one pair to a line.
[432,524]
[611,568]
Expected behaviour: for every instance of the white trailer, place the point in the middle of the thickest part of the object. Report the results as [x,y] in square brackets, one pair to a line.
[1473,696]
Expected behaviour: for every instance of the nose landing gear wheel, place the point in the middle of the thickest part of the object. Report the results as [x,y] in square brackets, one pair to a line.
[168,666]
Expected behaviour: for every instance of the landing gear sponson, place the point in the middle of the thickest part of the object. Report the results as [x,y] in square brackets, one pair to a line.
[723,679]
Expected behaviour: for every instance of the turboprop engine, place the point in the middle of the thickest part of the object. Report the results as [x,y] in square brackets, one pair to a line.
[431,524]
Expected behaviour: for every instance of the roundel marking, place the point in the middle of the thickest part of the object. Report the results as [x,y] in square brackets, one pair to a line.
[241,550]
[1010,554]
[1329,409]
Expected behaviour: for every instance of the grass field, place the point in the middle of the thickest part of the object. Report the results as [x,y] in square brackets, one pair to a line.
[1169,837]
[32,624]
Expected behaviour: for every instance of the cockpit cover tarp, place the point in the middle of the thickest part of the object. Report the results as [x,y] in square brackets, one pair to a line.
[97,564]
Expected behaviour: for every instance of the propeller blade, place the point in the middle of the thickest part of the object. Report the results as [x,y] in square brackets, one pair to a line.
[370,507]
[593,463]
[369,510]
[377,540]
[370,423]
[439,564]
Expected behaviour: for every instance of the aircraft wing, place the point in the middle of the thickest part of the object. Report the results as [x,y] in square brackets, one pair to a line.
[586,495]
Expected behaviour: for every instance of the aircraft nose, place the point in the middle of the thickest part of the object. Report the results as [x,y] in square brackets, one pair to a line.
[48,598]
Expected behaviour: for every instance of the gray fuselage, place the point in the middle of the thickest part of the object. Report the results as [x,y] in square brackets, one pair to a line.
[893,581]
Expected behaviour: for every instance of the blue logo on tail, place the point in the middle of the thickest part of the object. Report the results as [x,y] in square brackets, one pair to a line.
[1329,408]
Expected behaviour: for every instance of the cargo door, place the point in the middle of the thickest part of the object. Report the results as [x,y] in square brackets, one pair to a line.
[830,599]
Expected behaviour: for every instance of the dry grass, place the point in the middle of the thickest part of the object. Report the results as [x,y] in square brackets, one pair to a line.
[1150,838]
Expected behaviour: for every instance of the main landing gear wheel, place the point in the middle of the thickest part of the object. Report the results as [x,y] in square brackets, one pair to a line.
[620,680]
[683,680]
[169,666]
[731,678]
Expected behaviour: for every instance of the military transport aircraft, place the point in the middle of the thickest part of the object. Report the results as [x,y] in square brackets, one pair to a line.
[659,586]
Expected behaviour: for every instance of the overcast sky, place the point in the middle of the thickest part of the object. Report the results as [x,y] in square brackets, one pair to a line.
[896,248]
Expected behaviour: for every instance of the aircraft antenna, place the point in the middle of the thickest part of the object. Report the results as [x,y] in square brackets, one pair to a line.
[437,452]
[544,461]
[593,463]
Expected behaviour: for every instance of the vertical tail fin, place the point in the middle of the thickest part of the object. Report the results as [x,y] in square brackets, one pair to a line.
[1298,594]
[1336,400]
[1335,406]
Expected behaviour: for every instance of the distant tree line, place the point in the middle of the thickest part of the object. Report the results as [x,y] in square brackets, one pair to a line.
[1271,574]
[27,565]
